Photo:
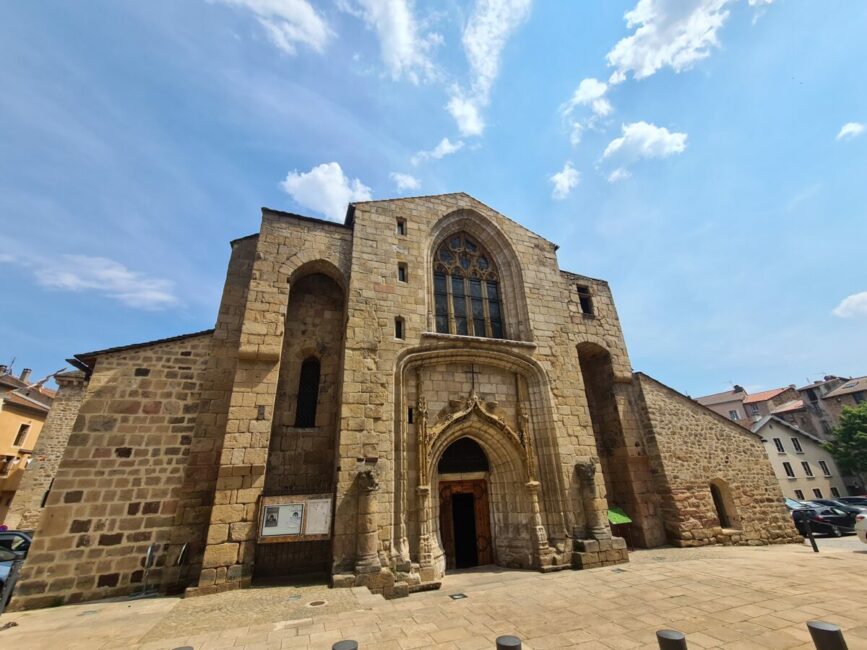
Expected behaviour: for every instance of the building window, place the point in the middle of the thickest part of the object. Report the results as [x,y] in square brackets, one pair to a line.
[807,469]
[754,409]
[401,226]
[799,495]
[825,469]
[23,430]
[835,492]
[817,493]
[6,464]
[858,397]
[308,393]
[398,328]
[789,471]
[826,428]
[779,445]
[586,299]
[466,289]
[409,415]
[401,272]
[797,445]
[733,415]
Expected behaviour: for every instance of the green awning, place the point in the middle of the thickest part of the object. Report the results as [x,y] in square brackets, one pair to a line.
[617,516]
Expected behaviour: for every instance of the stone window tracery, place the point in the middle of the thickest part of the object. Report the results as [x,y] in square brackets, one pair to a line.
[466,289]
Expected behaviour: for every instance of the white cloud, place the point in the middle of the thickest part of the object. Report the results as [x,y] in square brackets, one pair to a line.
[325,189]
[7,258]
[289,22]
[576,133]
[467,116]
[619,174]
[668,33]
[850,130]
[643,140]
[564,180]
[404,182]
[590,92]
[486,34]
[105,276]
[852,306]
[445,148]
[404,51]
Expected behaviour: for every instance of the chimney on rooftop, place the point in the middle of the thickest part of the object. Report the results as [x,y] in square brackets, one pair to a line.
[792,386]
[25,374]
[3,369]
[738,389]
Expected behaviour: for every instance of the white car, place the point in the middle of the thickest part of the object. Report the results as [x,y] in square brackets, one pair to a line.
[861,526]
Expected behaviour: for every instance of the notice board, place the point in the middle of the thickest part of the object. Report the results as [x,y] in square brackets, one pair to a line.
[296,518]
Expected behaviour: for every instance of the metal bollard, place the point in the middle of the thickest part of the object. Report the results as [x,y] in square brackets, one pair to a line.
[671,640]
[508,642]
[811,538]
[345,645]
[826,636]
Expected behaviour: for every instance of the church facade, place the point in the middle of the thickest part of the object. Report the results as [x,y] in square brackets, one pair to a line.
[417,389]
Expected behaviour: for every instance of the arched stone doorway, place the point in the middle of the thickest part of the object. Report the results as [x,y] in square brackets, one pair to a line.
[465,519]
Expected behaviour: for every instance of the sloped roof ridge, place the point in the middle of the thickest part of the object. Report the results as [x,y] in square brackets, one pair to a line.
[721,418]
[144,344]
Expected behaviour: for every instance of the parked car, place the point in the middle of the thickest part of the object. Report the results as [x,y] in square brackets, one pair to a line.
[822,519]
[794,504]
[854,501]
[861,527]
[16,541]
[845,507]
[7,557]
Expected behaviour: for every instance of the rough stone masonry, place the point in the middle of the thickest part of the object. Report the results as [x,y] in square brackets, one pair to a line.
[428,367]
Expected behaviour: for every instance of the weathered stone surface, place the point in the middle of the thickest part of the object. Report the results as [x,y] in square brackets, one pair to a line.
[175,442]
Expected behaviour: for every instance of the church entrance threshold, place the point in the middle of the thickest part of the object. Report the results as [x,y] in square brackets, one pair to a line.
[465,525]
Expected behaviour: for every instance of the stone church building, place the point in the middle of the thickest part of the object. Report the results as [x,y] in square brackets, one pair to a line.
[417,389]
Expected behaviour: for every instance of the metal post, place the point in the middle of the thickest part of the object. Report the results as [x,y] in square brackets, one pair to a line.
[345,645]
[810,536]
[826,636]
[671,640]
[508,642]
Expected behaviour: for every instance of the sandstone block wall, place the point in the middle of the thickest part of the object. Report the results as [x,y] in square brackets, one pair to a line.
[26,508]
[116,489]
[690,448]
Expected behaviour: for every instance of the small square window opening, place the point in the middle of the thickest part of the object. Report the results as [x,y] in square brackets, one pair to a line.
[398,328]
[401,227]
[817,493]
[799,494]
[409,415]
[835,492]
[401,272]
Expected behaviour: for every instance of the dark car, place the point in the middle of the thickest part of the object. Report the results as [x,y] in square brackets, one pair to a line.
[845,507]
[854,501]
[821,519]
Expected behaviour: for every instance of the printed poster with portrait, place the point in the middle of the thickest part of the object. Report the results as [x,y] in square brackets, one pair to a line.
[295,518]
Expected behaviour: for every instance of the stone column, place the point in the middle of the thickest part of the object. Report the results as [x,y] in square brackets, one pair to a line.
[367,538]
[540,538]
[595,524]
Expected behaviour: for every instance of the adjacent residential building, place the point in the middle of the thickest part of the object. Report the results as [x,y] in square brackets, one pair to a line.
[814,408]
[851,393]
[803,467]
[23,409]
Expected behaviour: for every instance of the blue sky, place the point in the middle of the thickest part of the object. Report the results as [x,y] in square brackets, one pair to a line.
[707,157]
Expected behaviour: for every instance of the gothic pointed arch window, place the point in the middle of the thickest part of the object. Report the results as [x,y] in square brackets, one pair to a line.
[466,289]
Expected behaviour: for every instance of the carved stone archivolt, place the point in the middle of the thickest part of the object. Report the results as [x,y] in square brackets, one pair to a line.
[473,406]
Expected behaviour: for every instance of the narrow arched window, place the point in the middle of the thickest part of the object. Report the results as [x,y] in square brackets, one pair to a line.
[308,393]
[466,289]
